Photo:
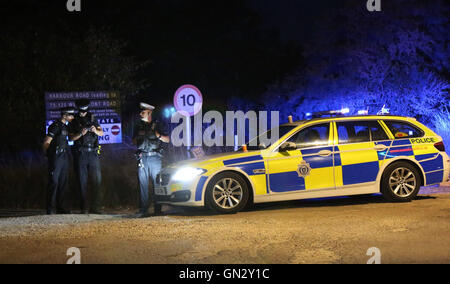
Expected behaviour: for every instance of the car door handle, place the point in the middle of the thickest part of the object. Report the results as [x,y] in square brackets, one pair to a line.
[325,153]
[380,147]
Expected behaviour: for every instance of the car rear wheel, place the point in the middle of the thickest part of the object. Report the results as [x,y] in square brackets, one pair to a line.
[401,182]
[227,193]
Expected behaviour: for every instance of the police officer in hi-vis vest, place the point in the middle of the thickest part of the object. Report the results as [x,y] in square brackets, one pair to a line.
[148,138]
[57,149]
[84,130]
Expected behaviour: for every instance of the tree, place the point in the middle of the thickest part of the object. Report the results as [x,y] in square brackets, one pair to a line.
[398,58]
[35,62]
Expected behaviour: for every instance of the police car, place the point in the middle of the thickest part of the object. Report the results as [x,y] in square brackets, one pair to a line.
[321,157]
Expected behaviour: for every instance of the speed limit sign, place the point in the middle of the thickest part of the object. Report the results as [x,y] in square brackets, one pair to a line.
[188,100]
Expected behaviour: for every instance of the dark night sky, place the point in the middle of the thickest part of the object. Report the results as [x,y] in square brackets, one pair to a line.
[293,18]
[263,52]
[290,16]
[174,34]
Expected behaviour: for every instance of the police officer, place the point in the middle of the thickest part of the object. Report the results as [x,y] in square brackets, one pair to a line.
[84,130]
[148,139]
[57,149]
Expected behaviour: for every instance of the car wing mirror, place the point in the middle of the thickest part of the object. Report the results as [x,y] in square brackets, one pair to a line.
[288,146]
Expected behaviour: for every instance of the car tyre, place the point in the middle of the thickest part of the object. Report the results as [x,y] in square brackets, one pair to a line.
[227,193]
[400,182]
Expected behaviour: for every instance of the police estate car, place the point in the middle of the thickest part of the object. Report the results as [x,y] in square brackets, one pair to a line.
[322,157]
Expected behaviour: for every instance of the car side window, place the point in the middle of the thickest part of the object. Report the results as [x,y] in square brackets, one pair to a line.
[377,132]
[316,135]
[360,131]
[402,130]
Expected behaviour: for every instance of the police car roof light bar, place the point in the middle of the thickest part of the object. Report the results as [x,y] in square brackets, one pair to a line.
[363,112]
[384,110]
[330,113]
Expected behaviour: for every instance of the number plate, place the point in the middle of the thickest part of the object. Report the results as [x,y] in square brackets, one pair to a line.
[160,191]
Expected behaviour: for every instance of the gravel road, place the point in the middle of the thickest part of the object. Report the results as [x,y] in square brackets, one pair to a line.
[310,231]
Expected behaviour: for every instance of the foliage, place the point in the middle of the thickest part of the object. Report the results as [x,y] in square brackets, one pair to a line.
[34,62]
[398,58]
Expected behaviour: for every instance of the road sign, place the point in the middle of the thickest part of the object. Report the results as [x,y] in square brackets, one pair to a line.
[104,105]
[188,100]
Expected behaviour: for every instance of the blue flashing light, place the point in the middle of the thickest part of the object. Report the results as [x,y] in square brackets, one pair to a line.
[363,112]
[168,111]
[345,110]
[384,110]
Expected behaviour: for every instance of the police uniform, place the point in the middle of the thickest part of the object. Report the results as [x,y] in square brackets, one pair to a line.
[58,164]
[149,156]
[86,158]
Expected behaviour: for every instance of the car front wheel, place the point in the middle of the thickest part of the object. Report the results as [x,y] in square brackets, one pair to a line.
[227,193]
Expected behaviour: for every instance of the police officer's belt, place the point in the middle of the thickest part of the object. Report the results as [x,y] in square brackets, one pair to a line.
[148,154]
[87,149]
[60,150]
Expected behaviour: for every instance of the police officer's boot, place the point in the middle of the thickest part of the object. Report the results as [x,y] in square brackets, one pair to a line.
[157,210]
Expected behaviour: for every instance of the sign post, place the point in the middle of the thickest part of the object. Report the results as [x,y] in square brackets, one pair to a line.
[188,101]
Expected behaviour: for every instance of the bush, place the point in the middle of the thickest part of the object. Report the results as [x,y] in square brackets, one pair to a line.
[24,180]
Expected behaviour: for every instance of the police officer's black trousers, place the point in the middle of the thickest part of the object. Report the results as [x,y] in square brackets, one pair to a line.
[149,167]
[88,163]
[58,168]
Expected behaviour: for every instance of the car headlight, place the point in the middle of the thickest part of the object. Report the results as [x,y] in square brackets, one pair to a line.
[187,174]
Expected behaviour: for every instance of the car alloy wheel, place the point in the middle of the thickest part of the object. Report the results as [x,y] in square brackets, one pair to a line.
[402,182]
[227,193]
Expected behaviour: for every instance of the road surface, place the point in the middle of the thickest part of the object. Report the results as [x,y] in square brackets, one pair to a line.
[310,231]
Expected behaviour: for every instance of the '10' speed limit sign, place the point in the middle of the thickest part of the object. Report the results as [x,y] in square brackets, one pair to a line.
[188,100]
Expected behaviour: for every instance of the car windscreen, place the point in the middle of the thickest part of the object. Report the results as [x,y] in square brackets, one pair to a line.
[260,142]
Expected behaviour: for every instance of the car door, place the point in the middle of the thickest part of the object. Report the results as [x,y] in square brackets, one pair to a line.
[359,151]
[308,167]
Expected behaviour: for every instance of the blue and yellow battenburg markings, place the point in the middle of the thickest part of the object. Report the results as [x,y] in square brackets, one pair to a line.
[254,167]
[356,163]
[423,151]
[285,177]
[199,189]
[242,160]
[433,165]
[349,164]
